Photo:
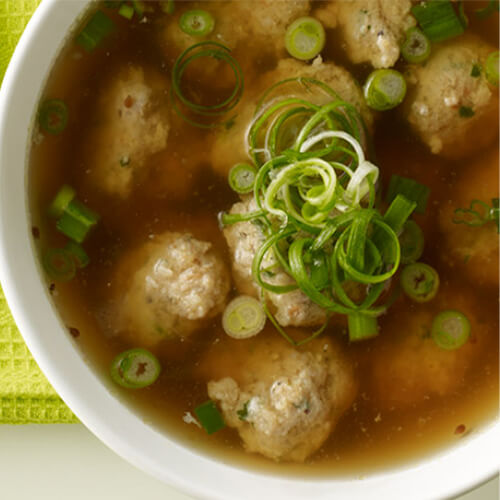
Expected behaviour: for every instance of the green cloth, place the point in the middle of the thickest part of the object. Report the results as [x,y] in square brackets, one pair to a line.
[25,394]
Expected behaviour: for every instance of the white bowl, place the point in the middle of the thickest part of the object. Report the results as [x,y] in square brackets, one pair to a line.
[443,475]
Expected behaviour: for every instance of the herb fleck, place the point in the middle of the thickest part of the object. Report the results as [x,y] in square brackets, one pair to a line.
[243,413]
[476,71]
[466,112]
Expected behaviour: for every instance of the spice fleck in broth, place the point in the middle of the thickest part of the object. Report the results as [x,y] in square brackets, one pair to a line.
[276,244]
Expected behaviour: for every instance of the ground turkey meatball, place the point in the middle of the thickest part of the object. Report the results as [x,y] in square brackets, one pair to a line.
[244,239]
[408,367]
[372,30]
[179,281]
[262,22]
[454,112]
[229,147]
[473,250]
[286,401]
[131,124]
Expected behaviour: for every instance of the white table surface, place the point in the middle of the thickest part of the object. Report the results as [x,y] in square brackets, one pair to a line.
[66,462]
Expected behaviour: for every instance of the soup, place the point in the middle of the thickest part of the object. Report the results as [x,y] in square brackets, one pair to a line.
[266,260]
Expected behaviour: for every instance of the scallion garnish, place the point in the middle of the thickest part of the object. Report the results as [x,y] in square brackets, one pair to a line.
[450,329]
[491,68]
[135,369]
[385,89]
[492,7]
[417,47]
[78,253]
[242,178]
[97,28]
[53,116]
[243,317]
[420,282]
[63,198]
[126,11]
[209,416]
[438,20]
[479,213]
[411,241]
[305,38]
[76,221]
[410,189]
[361,327]
[59,264]
[204,114]
[197,22]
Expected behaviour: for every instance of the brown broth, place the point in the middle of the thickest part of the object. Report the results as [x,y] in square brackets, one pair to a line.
[368,437]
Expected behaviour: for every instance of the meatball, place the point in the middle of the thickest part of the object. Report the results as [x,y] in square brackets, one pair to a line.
[408,367]
[179,281]
[230,148]
[285,402]
[372,30]
[131,124]
[473,250]
[244,239]
[262,22]
[454,112]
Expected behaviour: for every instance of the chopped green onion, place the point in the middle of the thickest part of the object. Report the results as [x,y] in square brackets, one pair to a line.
[210,417]
[167,6]
[243,317]
[492,7]
[411,241]
[478,214]
[420,282]
[305,38]
[63,198]
[492,67]
[94,32]
[385,89]
[135,369]
[416,48]
[410,189]
[76,221]
[78,253]
[139,7]
[398,212]
[197,22]
[361,327]
[126,11]
[53,116]
[59,264]
[450,329]
[242,178]
[466,112]
[438,20]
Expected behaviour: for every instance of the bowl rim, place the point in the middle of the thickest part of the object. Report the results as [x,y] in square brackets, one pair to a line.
[65,367]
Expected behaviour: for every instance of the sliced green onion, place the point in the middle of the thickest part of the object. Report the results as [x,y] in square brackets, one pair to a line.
[411,241]
[209,416]
[438,20]
[197,22]
[305,38]
[385,89]
[492,7]
[243,317]
[420,282]
[410,189]
[126,11]
[59,264]
[416,48]
[361,327]
[140,7]
[478,214]
[94,32]
[53,116]
[76,221]
[78,253]
[167,6]
[242,178]
[398,212]
[63,198]
[450,329]
[135,368]
[492,67]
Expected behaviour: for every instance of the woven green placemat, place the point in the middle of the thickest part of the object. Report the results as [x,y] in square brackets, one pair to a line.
[25,394]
